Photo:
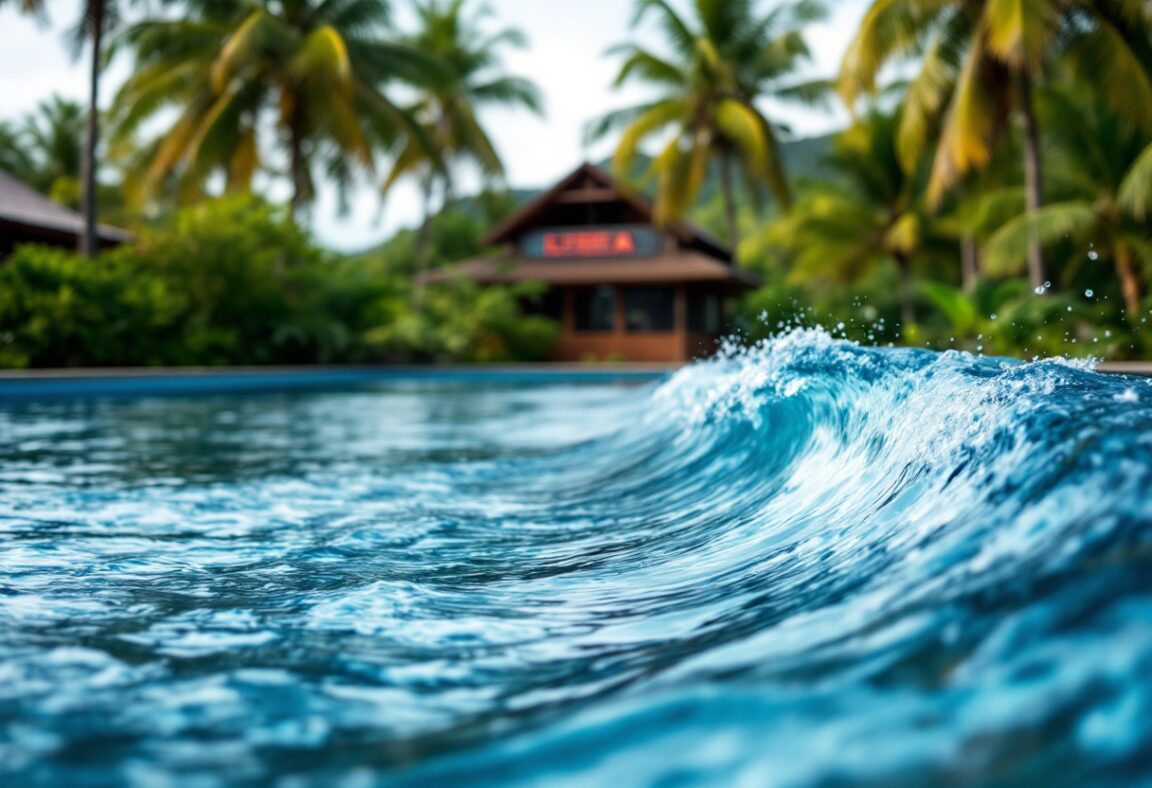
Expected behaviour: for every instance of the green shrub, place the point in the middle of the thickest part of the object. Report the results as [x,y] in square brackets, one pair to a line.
[461,321]
[57,309]
[236,281]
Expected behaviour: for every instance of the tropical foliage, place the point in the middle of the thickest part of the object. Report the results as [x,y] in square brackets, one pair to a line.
[871,212]
[721,62]
[312,73]
[448,111]
[45,150]
[1101,184]
[991,191]
[981,61]
[236,281]
[96,18]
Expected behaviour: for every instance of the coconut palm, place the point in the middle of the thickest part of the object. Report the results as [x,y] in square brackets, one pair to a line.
[313,72]
[722,61]
[15,158]
[96,17]
[53,139]
[1101,168]
[449,111]
[870,212]
[980,59]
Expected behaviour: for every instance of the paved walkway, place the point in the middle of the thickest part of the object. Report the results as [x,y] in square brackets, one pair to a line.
[1127,367]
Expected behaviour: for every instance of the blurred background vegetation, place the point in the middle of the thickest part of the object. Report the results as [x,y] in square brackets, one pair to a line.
[993,191]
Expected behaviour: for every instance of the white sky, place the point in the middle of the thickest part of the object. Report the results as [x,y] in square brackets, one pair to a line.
[565,58]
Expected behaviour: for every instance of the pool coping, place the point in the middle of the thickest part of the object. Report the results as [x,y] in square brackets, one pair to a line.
[148,381]
[380,369]
[175,381]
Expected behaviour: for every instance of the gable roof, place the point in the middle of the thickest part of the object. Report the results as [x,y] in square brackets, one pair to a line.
[523,219]
[686,266]
[27,208]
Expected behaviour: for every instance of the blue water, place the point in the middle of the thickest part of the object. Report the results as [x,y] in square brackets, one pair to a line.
[813,564]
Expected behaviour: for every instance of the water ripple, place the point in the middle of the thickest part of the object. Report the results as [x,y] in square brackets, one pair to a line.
[812,563]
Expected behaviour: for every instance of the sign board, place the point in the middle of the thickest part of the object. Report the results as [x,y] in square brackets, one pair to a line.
[576,242]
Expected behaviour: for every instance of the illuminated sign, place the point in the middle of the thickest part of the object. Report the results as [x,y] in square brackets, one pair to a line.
[595,243]
[622,241]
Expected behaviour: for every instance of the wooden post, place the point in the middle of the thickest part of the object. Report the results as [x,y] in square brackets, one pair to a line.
[680,319]
[567,310]
[621,313]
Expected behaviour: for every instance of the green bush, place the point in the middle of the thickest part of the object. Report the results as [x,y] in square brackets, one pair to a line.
[461,321]
[59,310]
[236,281]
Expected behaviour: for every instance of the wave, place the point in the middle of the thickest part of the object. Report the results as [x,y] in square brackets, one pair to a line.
[807,563]
[815,561]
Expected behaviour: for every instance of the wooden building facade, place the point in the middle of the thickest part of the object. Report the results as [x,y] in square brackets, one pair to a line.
[621,287]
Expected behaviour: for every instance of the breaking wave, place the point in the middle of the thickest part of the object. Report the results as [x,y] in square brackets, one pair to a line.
[808,563]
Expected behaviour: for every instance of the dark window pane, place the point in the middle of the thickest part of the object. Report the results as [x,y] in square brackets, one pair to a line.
[650,309]
[704,313]
[548,304]
[596,309]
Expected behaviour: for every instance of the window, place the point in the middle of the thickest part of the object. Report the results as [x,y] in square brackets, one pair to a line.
[548,304]
[596,309]
[650,309]
[704,313]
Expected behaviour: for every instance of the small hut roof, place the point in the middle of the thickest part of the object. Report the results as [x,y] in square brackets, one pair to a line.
[25,208]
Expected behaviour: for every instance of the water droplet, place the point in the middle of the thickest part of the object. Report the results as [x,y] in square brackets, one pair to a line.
[1089,293]
[1093,255]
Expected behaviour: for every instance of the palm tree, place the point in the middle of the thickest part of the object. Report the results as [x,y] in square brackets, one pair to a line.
[53,136]
[1102,180]
[15,158]
[980,59]
[449,111]
[314,71]
[868,213]
[96,17]
[722,62]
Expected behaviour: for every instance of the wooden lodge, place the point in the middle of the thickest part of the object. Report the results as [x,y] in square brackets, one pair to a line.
[29,217]
[621,287]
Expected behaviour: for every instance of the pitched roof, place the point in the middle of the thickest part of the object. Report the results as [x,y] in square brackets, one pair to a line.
[24,206]
[524,219]
[684,266]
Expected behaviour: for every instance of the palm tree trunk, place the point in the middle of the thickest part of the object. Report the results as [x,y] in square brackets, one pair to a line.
[907,311]
[1130,284]
[298,166]
[728,196]
[88,240]
[969,263]
[1033,176]
[423,245]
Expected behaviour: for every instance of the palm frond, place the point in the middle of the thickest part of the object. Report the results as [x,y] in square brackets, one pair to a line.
[890,29]
[1006,252]
[1136,189]
[974,119]
[1019,32]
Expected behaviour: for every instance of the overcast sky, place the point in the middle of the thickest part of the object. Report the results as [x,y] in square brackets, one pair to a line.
[565,57]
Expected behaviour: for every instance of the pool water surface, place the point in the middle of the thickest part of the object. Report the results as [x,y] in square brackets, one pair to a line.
[810,564]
